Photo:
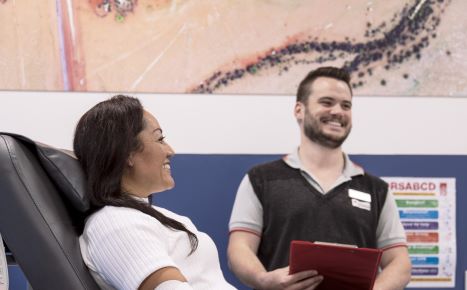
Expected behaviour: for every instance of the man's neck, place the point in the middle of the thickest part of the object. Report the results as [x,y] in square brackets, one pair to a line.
[325,164]
[315,155]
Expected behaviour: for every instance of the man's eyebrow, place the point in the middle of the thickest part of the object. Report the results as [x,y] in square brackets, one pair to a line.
[157,129]
[326,98]
[329,98]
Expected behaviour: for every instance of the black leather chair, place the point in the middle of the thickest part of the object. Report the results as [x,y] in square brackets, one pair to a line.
[41,213]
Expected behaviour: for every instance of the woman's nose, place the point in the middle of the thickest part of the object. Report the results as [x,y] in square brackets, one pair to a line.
[170,151]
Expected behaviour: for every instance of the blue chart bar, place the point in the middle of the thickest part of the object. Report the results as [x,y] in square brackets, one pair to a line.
[424,260]
[418,214]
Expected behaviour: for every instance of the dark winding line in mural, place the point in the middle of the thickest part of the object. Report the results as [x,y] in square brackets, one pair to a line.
[401,39]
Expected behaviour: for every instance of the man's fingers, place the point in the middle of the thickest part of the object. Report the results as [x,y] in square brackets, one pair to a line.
[307,284]
[315,282]
[303,275]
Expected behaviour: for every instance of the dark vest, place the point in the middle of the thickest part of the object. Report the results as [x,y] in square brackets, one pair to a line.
[294,210]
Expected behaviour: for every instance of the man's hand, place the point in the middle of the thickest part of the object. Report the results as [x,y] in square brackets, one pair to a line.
[280,279]
[243,261]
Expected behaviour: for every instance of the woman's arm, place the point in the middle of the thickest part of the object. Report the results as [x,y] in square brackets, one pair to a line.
[163,277]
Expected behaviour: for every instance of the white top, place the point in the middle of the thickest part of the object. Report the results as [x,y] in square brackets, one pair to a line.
[123,246]
[247,212]
[3,267]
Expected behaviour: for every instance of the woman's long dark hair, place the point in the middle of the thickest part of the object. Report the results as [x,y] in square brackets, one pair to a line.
[105,137]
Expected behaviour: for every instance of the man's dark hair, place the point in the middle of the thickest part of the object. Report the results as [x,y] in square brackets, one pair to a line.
[105,137]
[304,89]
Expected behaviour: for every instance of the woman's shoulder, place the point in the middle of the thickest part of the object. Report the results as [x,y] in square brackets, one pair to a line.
[117,212]
[170,214]
[110,218]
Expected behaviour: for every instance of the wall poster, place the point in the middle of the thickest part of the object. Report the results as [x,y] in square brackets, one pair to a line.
[427,209]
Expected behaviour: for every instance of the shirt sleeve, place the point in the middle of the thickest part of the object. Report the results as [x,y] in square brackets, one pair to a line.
[390,231]
[247,212]
[126,246]
[174,285]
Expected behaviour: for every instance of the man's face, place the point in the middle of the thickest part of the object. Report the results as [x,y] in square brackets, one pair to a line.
[327,116]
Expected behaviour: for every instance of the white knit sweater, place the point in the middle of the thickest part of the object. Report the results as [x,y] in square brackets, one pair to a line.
[122,246]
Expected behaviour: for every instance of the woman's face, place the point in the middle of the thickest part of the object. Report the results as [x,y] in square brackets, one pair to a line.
[149,168]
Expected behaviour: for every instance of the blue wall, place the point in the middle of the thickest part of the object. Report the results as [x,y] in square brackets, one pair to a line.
[206,185]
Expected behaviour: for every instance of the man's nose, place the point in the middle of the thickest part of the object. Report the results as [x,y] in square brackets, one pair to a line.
[336,109]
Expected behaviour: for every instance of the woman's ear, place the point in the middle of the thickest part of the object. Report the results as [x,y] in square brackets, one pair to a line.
[130,161]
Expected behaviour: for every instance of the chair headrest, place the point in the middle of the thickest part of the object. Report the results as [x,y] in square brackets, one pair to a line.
[63,169]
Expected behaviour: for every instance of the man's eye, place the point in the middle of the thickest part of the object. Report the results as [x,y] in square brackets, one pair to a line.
[346,106]
[161,139]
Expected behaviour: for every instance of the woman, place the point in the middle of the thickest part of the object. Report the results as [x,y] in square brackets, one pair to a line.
[127,243]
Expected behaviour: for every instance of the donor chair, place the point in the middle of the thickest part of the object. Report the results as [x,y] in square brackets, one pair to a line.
[42,208]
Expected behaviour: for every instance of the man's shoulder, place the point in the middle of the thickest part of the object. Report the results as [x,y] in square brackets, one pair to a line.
[265,166]
[373,177]
[276,167]
[272,170]
[368,181]
[366,175]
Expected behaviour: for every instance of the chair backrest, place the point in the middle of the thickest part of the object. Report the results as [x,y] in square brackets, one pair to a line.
[42,207]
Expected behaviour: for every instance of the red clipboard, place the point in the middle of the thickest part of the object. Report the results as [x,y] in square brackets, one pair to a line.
[343,267]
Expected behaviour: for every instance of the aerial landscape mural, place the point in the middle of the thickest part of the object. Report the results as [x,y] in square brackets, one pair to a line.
[395,48]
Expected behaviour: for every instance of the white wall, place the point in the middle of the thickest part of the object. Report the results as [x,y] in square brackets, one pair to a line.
[230,124]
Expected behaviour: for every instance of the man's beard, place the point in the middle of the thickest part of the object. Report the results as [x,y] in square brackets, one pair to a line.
[313,131]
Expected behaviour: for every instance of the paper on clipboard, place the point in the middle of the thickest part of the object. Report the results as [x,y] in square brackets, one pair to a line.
[343,267]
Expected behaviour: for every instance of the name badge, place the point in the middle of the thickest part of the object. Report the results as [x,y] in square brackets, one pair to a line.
[361,204]
[360,195]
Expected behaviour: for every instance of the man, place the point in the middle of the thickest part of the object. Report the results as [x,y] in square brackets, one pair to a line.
[316,194]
